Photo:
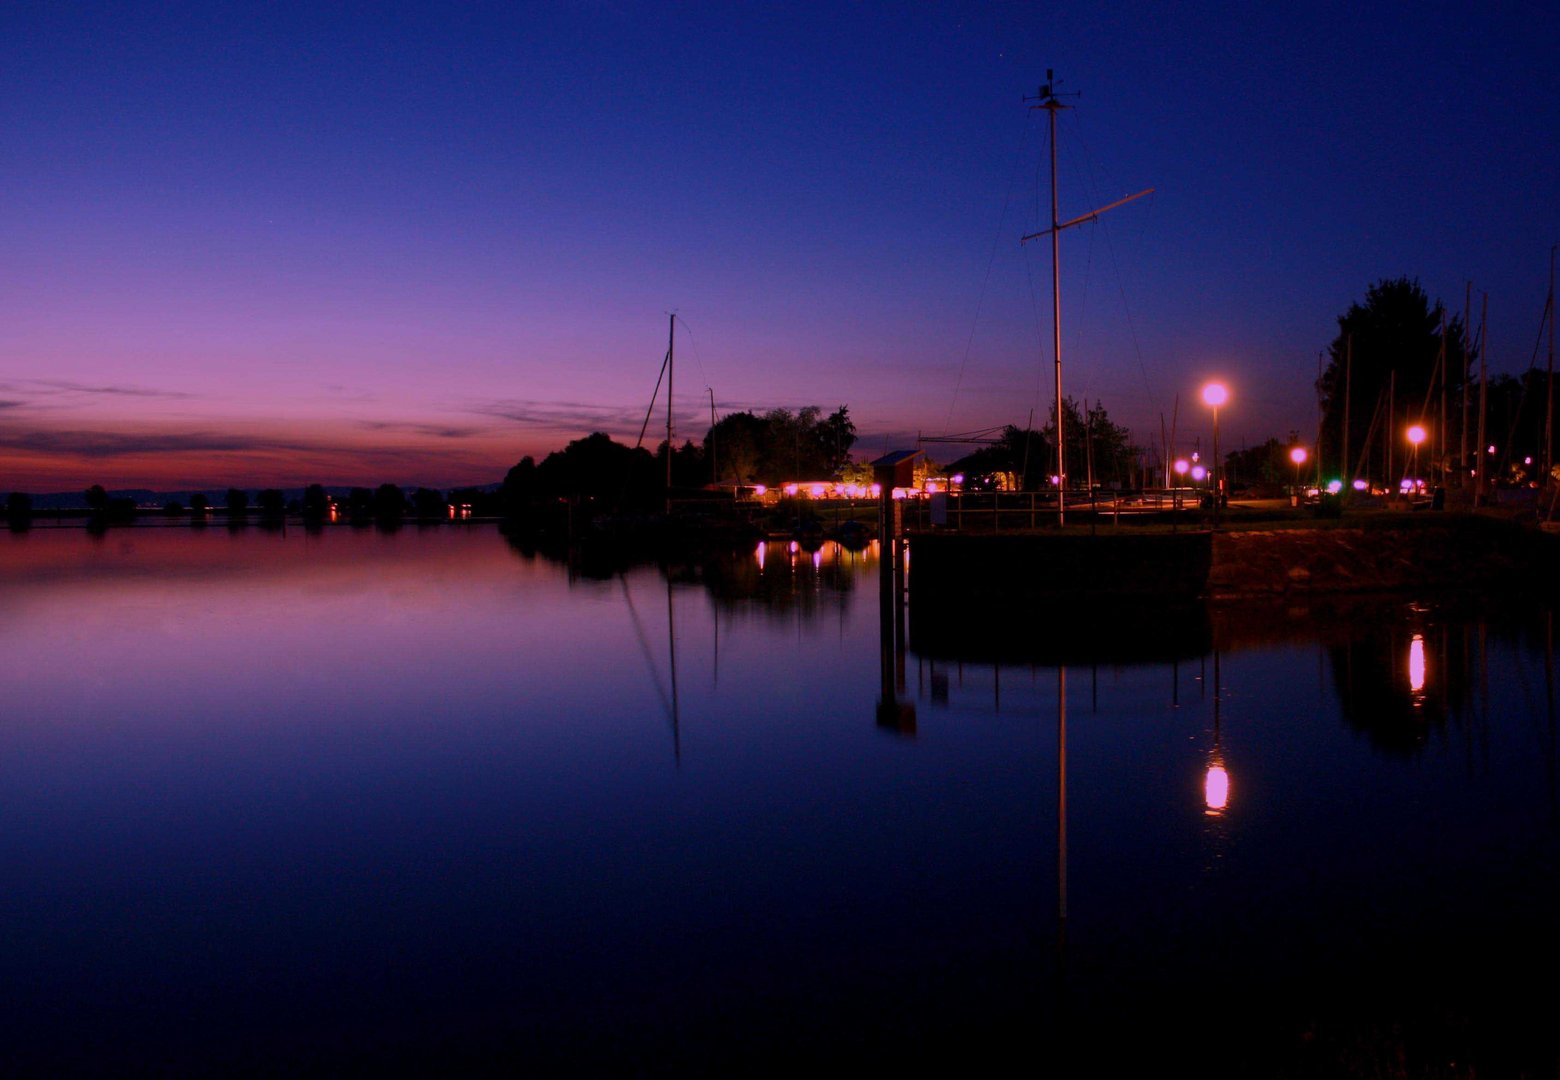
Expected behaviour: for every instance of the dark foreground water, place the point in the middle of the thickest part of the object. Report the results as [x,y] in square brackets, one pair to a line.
[281,803]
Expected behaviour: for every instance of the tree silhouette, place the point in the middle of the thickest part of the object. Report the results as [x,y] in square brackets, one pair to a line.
[18,510]
[735,444]
[602,470]
[272,504]
[316,504]
[781,445]
[1019,456]
[389,504]
[360,505]
[1095,446]
[429,505]
[1386,361]
[237,503]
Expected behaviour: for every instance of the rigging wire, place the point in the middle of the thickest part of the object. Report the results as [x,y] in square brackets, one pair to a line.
[1034,311]
[1522,395]
[665,359]
[693,345]
[1110,248]
[991,258]
[649,654]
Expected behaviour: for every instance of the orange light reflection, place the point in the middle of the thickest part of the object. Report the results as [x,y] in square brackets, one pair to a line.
[1216,789]
[1416,664]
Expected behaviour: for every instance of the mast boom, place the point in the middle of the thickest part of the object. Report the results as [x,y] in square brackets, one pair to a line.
[1092,215]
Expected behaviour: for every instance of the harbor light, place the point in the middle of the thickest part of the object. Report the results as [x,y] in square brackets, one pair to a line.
[1198,473]
[1215,394]
[1181,466]
[1298,456]
[1416,435]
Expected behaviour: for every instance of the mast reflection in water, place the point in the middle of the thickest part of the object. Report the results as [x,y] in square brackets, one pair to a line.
[354,800]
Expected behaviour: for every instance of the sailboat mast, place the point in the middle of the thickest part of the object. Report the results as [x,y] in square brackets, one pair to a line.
[1051,107]
[1047,99]
[1481,450]
[671,337]
[1348,386]
[1549,382]
[1467,372]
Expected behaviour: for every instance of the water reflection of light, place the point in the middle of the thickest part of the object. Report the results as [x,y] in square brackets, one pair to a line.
[1416,665]
[818,559]
[762,547]
[1216,789]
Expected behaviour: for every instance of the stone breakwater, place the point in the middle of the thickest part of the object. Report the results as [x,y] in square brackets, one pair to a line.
[1401,552]
[1460,551]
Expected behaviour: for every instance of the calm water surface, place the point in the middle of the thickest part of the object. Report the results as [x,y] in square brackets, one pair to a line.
[280,802]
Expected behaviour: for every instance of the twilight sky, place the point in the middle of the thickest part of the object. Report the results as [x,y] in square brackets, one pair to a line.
[275,244]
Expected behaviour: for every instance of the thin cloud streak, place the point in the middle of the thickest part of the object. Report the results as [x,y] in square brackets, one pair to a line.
[435,431]
[65,386]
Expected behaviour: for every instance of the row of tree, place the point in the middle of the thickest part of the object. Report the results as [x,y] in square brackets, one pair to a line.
[1099,452]
[594,474]
[741,448]
[1399,359]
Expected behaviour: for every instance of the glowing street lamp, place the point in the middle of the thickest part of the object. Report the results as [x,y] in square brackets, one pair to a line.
[1416,435]
[1215,394]
[1298,456]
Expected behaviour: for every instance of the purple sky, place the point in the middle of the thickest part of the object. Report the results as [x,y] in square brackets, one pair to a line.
[277,244]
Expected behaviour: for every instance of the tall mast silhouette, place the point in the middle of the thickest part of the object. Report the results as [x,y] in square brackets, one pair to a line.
[1048,99]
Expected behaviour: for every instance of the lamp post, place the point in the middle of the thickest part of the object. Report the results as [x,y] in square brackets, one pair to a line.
[1215,394]
[1298,456]
[1416,435]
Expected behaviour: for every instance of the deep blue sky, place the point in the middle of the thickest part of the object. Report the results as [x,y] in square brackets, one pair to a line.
[277,244]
